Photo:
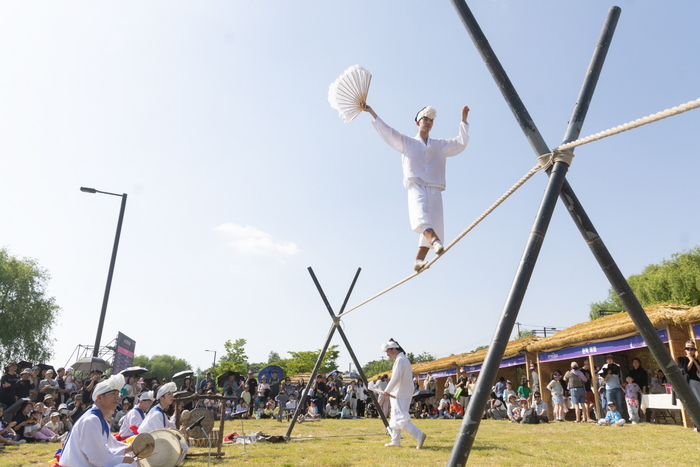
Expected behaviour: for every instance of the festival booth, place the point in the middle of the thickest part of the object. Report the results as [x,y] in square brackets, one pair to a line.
[513,366]
[617,335]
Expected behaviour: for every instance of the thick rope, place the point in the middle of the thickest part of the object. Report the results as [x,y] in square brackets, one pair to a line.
[560,153]
[635,124]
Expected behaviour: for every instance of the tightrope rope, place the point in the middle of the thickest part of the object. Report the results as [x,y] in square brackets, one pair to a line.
[546,160]
[634,124]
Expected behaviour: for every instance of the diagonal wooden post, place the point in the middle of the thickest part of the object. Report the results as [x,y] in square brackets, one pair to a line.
[335,326]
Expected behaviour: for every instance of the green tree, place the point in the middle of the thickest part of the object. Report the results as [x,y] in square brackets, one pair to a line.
[273,357]
[304,361]
[234,358]
[675,281]
[27,315]
[420,358]
[161,366]
[376,367]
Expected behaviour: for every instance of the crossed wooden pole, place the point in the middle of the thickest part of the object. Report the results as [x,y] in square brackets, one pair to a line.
[556,187]
[335,326]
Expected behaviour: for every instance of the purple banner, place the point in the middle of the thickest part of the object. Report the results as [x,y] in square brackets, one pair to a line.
[696,331]
[618,345]
[508,362]
[440,374]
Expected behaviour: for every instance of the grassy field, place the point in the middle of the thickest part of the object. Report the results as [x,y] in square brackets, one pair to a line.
[345,443]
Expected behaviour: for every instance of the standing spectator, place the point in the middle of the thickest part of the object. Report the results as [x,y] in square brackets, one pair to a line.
[252,384]
[576,380]
[523,389]
[48,386]
[287,385]
[639,375]
[35,379]
[462,384]
[557,391]
[632,393]
[430,385]
[351,397]
[320,390]
[361,398]
[590,398]
[449,387]
[208,383]
[658,386]
[90,383]
[500,387]
[274,384]
[62,395]
[471,385]
[230,388]
[383,400]
[691,366]
[534,378]
[24,386]
[612,375]
[540,407]
[508,391]
[8,383]
[264,387]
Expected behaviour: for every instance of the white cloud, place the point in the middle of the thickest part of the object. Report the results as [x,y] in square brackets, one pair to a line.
[249,240]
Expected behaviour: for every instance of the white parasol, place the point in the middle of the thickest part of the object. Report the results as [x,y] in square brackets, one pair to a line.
[348,94]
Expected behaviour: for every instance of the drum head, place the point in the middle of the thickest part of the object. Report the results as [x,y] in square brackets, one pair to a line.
[168,451]
[143,445]
[193,416]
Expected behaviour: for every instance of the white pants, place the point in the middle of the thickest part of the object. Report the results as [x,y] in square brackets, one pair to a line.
[401,420]
[425,211]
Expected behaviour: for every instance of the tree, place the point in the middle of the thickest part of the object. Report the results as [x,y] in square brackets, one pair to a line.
[376,367]
[234,358]
[161,366]
[27,315]
[273,357]
[304,361]
[675,281]
[421,358]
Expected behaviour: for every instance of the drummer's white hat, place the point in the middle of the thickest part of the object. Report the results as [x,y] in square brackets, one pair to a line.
[114,383]
[166,388]
[392,344]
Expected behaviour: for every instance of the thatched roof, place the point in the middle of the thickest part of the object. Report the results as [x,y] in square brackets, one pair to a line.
[513,348]
[616,327]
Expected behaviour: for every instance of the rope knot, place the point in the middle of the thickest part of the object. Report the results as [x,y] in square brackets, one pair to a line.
[557,155]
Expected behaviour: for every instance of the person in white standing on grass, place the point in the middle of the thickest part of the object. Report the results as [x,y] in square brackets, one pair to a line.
[423,161]
[400,389]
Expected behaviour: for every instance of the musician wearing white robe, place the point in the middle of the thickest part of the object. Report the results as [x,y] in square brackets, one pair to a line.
[156,418]
[423,160]
[136,415]
[89,443]
[400,389]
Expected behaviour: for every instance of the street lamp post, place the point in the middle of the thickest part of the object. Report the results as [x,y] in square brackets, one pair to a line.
[213,364]
[111,265]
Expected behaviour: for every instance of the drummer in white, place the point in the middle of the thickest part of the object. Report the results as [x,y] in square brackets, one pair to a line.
[400,389]
[156,418]
[89,443]
[135,416]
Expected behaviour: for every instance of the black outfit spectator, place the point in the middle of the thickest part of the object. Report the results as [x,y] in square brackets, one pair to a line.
[321,390]
[8,383]
[639,375]
[208,383]
[76,408]
[252,390]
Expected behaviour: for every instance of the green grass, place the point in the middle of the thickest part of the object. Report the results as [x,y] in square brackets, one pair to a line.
[346,443]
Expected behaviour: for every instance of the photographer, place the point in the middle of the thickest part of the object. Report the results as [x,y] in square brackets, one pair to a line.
[612,376]
[89,384]
[76,408]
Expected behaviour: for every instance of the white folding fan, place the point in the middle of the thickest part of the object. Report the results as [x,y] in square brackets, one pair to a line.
[348,94]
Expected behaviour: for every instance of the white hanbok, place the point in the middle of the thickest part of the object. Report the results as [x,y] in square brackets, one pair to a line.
[91,445]
[423,166]
[134,416]
[401,387]
[156,420]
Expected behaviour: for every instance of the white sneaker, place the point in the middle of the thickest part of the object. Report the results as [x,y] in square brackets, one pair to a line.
[634,423]
[438,248]
[391,444]
[421,440]
[418,265]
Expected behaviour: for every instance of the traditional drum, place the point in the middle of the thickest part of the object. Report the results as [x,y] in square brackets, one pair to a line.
[169,451]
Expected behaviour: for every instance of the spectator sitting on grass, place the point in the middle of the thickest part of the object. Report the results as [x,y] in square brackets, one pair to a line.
[444,407]
[346,413]
[613,417]
[540,407]
[312,411]
[513,409]
[242,407]
[334,412]
[496,409]
[456,409]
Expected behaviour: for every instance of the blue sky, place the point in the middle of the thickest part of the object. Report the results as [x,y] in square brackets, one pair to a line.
[213,117]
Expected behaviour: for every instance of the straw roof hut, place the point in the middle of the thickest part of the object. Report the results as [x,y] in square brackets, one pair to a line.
[615,326]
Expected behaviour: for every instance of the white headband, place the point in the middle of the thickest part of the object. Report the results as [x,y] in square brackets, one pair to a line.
[166,388]
[427,112]
[114,383]
[392,344]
